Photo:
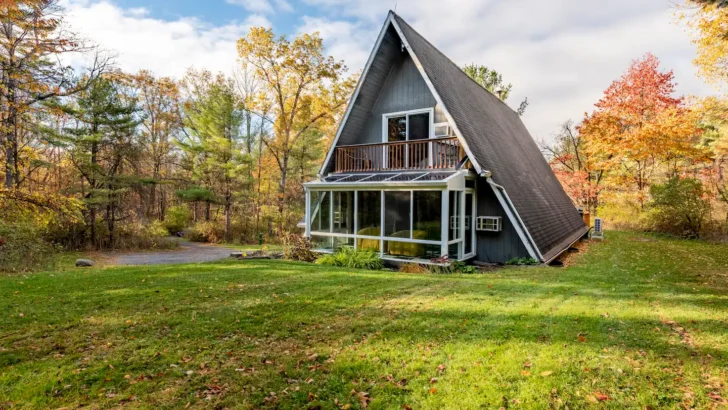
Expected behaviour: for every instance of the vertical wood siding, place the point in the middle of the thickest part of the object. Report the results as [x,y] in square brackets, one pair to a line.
[392,84]
[496,247]
[404,90]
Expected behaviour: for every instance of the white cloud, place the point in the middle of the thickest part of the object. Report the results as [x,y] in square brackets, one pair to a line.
[263,6]
[344,40]
[561,54]
[166,48]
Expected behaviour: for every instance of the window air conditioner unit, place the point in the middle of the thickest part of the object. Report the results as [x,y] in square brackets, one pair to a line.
[442,130]
[489,223]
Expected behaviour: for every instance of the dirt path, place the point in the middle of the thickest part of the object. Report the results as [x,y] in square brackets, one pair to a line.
[188,252]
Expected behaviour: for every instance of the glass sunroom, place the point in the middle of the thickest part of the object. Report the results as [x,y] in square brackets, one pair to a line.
[408,216]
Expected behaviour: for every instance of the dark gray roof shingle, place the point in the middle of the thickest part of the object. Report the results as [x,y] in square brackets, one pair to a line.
[501,144]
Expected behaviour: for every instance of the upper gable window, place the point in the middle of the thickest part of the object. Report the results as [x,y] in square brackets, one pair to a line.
[408,125]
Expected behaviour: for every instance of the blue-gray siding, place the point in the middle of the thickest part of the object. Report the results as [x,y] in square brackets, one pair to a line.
[496,247]
[404,90]
[392,84]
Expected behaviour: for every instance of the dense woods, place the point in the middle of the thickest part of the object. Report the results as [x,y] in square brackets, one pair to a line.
[96,158]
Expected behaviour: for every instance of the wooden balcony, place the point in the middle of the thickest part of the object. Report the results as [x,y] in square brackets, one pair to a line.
[441,153]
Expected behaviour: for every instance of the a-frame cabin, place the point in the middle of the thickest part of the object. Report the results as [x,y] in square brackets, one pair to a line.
[427,163]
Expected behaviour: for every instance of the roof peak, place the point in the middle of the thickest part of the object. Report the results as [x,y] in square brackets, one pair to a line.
[450,60]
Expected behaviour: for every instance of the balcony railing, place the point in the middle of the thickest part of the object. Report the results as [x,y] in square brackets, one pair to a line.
[441,153]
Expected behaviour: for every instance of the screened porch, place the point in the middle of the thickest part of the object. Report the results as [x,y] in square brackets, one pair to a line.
[403,217]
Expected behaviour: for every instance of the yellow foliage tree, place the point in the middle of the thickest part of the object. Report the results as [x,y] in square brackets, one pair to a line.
[302,89]
[708,25]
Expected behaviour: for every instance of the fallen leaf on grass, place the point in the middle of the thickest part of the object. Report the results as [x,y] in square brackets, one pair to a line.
[525,373]
[433,390]
[547,373]
[527,364]
[441,368]
[581,338]
[363,397]
[715,396]
[601,396]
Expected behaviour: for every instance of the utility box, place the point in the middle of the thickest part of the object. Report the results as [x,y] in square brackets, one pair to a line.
[598,232]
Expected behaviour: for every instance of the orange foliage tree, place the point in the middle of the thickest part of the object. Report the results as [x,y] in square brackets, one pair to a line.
[640,128]
[575,168]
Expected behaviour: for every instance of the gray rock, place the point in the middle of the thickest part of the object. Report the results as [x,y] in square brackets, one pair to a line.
[84,263]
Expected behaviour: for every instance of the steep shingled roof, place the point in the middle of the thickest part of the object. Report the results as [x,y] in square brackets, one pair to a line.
[501,144]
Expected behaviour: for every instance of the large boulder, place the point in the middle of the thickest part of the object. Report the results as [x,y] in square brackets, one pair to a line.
[84,263]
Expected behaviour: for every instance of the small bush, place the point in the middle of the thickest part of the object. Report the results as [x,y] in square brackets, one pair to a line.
[23,249]
[348,257]
[413,268]
[143,236]
[452,268]
[176,219]
[678,207]
[298,248]
[522,261]
[205,232]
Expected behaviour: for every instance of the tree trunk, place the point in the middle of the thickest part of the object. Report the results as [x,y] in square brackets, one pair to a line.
[162,204]
[282,186]
[228,206]
[11,144]
[259,201]
[92,187]
[207,211]
[9,158]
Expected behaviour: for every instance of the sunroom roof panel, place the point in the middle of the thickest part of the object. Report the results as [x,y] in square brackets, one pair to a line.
[384,180]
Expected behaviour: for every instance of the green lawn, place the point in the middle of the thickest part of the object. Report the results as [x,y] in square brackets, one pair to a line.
[634,322]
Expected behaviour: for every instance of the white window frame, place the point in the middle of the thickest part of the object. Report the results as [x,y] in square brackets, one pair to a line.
[382,238]
[406,114]
[483,220]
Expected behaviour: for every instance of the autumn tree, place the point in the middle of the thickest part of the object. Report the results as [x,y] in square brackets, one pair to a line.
[574,166]
[102,147]
[492,81]
[32,38]
[714,123]
[719,3]
[639,124]
[215,142]
[708,26]
[303,87]
[159,101]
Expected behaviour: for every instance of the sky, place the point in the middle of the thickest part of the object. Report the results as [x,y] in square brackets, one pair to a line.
[561,54]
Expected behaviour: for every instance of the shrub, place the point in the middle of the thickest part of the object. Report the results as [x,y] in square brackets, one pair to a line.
[23,249]
[205,232]
[298,248]
[622,211]
[413,268]
[522,261]
[348,257]
[176,219]
[143,236]
[678,207]
[452,268]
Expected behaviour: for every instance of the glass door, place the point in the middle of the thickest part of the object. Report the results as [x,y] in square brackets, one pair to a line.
[469,224]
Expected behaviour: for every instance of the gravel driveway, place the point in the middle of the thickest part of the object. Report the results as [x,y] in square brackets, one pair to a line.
[188,252]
